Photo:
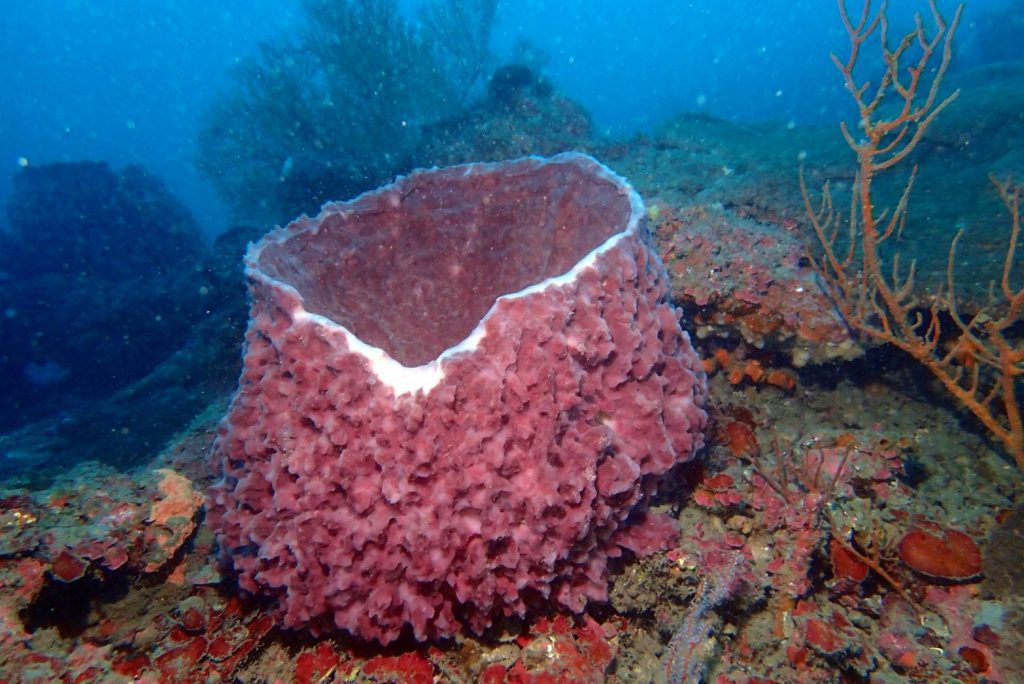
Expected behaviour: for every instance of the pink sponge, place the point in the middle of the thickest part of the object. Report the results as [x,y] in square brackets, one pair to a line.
[458,395]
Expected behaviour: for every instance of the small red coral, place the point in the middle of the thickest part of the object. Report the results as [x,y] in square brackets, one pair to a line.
[823,637]
[193,620]
[718,483]
[975,659]
[845,565]
[408,667]
[317,664]
[953,556]
[68,568]
[740,439]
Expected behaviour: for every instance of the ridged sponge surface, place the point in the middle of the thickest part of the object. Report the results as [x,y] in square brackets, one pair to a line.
[459,393]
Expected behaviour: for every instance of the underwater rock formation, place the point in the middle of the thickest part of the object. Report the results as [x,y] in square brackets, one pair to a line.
[521,115]
[100,280]
[459,393]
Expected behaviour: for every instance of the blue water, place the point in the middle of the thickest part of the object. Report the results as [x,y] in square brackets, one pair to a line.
[126,81]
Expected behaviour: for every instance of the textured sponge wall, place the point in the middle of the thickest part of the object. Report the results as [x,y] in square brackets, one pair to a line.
[511,480]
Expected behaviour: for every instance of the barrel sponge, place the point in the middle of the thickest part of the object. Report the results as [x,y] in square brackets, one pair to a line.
[459,394]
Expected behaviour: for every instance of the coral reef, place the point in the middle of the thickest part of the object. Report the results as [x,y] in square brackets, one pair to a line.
[495,433]
[734,275]
[522,114]
[831,529]
[805,610]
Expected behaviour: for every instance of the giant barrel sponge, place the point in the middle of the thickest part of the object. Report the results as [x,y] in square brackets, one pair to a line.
[458,396]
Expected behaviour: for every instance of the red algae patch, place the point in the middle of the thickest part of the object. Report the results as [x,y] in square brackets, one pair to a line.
[952,556]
